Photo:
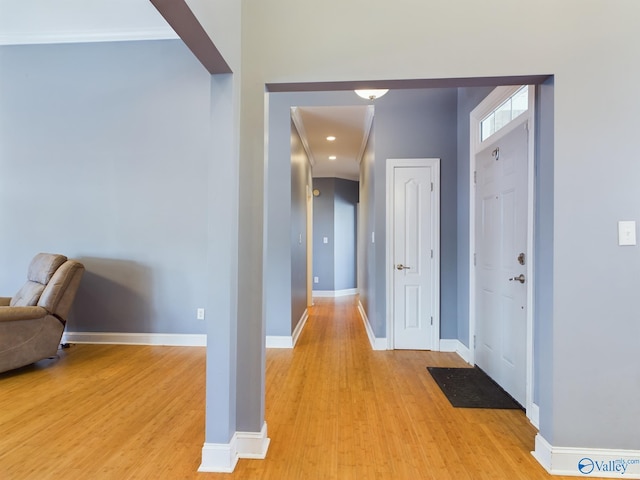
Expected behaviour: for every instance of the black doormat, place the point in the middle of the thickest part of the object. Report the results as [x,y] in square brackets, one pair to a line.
[471,388]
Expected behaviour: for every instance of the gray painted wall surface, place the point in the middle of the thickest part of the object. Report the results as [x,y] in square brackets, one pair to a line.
[300,182]
[104,153]
[324,226]
[345,206]
[367,265]
[334,217]
[277,272]
[124,156]
[419,124]
[468,99]
[543,244]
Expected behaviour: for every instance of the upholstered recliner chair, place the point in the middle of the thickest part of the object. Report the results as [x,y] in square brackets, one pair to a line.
[32,322]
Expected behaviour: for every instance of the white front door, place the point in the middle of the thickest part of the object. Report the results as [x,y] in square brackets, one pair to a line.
[501,262]
[414,255]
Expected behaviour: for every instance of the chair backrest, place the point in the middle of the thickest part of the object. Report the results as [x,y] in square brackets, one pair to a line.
[59,293]
[41,270]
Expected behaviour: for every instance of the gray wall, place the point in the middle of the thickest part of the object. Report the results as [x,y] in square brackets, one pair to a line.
[366,225]
[277,271]
[345,211]
[104,152]
[419,124]
[324,226]
[334,217]
[543,245]
[300,183]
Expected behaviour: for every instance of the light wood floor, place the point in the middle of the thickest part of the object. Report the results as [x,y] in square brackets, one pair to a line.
[335,409]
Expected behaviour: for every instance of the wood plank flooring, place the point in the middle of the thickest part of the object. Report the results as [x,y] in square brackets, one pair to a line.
[335,409]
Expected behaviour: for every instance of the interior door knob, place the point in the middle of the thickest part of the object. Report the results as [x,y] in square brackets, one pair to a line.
[402,267]
[519,278]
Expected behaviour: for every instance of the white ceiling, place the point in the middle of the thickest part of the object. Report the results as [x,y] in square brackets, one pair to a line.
[350,125]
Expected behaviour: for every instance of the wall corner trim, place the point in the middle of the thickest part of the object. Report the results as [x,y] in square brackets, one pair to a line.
[376,343]
[603,463]
[223,457]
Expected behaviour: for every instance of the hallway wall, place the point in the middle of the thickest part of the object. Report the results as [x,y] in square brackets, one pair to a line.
[334,217]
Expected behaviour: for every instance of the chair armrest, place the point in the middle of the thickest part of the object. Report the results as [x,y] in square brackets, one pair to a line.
[5,301]
[12,314]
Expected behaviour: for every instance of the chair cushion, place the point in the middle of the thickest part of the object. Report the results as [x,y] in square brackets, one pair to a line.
[43,266]
[41,269]
[28,295]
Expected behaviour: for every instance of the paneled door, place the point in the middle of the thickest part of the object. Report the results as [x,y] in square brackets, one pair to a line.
[501,243]
[415,263]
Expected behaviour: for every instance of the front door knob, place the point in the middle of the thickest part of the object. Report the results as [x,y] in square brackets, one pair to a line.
[519,278]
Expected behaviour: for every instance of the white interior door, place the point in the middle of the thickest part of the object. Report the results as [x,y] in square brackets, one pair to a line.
[414,252]
[501,263]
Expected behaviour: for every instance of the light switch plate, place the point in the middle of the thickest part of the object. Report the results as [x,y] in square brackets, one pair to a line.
[627,232]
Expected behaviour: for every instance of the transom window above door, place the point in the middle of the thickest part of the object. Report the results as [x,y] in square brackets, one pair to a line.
[506,112]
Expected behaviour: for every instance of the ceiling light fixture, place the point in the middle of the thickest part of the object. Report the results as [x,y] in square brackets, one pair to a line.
[371,94]
[331,138]
[332,157]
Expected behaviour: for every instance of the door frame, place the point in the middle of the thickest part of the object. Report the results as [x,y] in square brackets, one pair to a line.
[490,103]
[412,162]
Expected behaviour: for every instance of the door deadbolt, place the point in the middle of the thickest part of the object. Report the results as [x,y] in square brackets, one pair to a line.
[521,258]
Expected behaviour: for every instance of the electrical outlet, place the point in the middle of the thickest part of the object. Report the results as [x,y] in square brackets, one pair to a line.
[315,280]
[200,314]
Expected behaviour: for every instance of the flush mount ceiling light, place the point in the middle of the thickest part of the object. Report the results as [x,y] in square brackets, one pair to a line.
[371,94]
[331,138]
[332,157]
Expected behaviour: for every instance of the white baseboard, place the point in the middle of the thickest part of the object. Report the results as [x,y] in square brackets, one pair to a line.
[587,462]
[220,457]
[166,339]
[285,341]
[376,343]
[223,457]
[298,330]
[533,414]
[453,345]
[334,293]
[253,444]
[279,341]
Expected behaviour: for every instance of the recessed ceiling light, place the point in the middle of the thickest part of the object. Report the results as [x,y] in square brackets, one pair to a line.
[332,157]
[331,138]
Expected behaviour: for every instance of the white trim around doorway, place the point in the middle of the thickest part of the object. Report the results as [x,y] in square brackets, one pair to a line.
[491,102]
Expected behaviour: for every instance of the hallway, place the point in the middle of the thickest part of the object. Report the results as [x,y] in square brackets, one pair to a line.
[337,409]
